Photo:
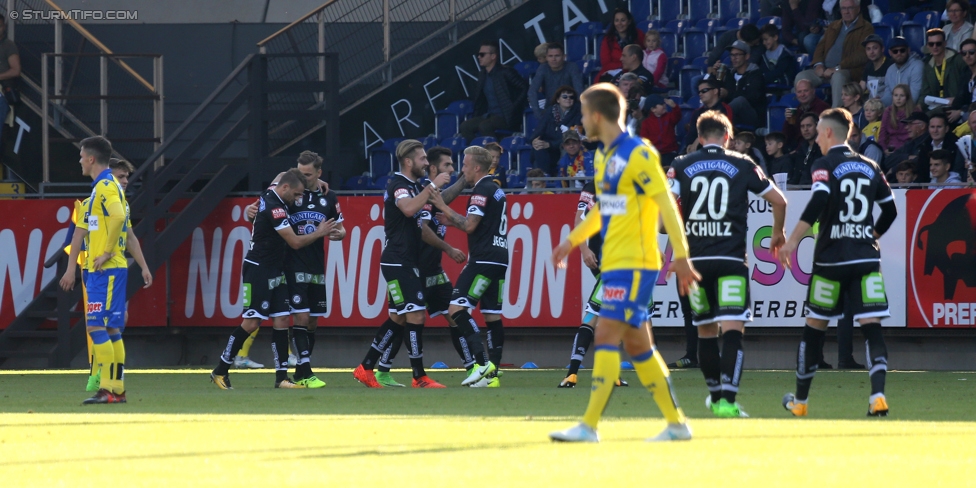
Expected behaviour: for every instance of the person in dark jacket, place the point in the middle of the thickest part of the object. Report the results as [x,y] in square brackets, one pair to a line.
[749,34]
[778,64]
[807,152]
[563,114]
[499,98]
[744,88]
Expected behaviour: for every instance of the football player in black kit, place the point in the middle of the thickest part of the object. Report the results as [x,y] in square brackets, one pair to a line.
[265,293]
[483,279]
[437,284]
[846,256]
[404,203]
[712,186]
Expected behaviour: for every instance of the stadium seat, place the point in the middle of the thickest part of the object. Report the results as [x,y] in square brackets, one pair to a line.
[514,180]
[674,69]
[448,120]
[775,118]
[381,182]
[699,10]
[894,20]
[576,45]
[915,35]
[668,10]
[646,25]
[701,62]
[527,69]
[481,141]
[929,19]
[589,69]
[456,145]
[641,10]
[687,111]
[886,32]
[777,21]
[882,5]
[429,142]
[697,40]
[729,9]
[670,36]
[357,183]
[380,163]
[528,122]
[788,100]
[685,81]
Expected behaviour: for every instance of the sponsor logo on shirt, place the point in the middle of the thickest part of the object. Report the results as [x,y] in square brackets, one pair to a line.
[94,307]
[820,175]
[613,204]
[401,193]
[279,213]
[713,165]
[479,200]
[614,294]
[851,167]
[92,223]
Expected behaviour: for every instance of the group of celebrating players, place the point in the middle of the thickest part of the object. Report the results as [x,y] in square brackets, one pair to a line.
[619,216]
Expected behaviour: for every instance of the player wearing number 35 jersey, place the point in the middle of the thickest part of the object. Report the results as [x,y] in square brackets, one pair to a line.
[846,257]
[713,187]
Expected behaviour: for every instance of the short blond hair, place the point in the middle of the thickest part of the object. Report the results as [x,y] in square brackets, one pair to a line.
[479,156]
[406,148]
[606,100]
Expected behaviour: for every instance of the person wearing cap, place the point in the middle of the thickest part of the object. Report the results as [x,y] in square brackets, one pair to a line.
[708,93]
[576,160]
[876,66]
[658,127]
[917,123]
[839,57]
[901,122]
[748,34]
[564,113]
[906,69]
[943,70]
[744,87]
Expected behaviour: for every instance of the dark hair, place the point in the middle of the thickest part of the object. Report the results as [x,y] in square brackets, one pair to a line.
[560,91]
[535,173]
[746,137]
[631,30]
[940,115]
[99,148]
[309,157]
[435,154]
[555,45]
[116,164]
[907,165]
[711,82]
[769,30]
[749,33]
[811,115]
[840,118]
[968,40]
[963,4]
[935,32]
[713,124]
[492,146]
[776,137]
[605,99]
[493,44]
[941,155]
[635,50]
[293,178]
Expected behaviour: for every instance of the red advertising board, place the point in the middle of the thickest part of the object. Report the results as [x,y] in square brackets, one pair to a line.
[941,227]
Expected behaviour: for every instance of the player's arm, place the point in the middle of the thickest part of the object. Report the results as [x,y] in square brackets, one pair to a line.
[778,201]
[411,205]
[296,241]
[338,232]
[583,231]
[886,200]
[431,238]
[680,263]
[818,201]
[468,223]
[132,244]
[589,258]
[68,280]
[452,192]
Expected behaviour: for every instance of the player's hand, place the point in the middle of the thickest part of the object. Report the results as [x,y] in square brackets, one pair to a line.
[786,252]
[337,234]
[325,228]
[686,273]
[560,253]
[99,261]
[589,258]
[435,197]
[251,211]
[441,180]
[776,242]
[147,277]
[68,280]
[324,187]
[457,255]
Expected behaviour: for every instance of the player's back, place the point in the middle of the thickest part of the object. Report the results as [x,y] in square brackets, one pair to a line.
[713,186]
[267,247]
[628,175]
[854,185]
[105,193]
[489,241]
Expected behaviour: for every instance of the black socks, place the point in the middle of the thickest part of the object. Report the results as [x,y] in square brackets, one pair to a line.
[731,364]
[279,349]
[877,356]
[380,343]
[808,357]
[233,347]
[496,340]
[469,330]
[710,362]
[581,344]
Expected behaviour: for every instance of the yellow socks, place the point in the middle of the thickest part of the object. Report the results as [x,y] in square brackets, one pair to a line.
[654,375]
[105,355]
[246,347]
[606,370]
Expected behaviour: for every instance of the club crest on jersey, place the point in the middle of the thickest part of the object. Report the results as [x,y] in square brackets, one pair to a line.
[614,294]
[279,213]
[322,202]
[851,167]
[616,166]
[479,200]
[299,200]
[499,194]
[712,165]
[261,205]
[820,175]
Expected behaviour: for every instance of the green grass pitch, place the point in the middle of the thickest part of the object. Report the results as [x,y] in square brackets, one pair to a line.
[179,430]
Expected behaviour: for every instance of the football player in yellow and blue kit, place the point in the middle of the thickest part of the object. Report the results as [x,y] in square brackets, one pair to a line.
[107,217]
[631,192]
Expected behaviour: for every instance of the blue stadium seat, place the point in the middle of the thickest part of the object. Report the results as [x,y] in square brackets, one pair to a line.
[699,9]
[885,32]
[646,25]
[701,62]
[528,122]
[456,145]
[640,9]
[753,10]
[514,180]
[775,118]
[527,69]
[687,111]
[380,163]
[915,35]
[777,21]
[803,61]
[929,19]
[670,36]
[673,71]
[729,9]
[882,5]
[668,10]
[357,183]
[481,141]
[788,100]
[576,45]
[448,120]
[429,142]
[695,42]
[589,68]
[895,20]
[685,81]
[381,182]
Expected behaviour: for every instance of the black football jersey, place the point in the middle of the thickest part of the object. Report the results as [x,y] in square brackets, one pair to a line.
[854,184]
[489,241]
[402,231]
[267,246]
[713,185]
[586,201]
[305,215]
[430,256]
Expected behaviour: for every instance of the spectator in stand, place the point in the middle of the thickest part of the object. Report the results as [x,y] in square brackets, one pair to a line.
[635,112]
[778,161]
[877,66]
[906,69]
[576,160]
[536,184]
[894,121]
[939,166]
[622,32]
[659,127]
[918,135]
[905,173]
[778,64]
[563,114]
[807,152]
[498,97]
[866,147]
[940,139]
[872,114]
[551,76]
[743,142]
[967,144]
[943,73]
[966,94]
[806,96]
[839,57]
[801,24]
[655,59]
[748,34]
[958,28]
[708,92]
[852,98]
[9,69]
[540,52]
[631,61]
[497,174]
[744,88]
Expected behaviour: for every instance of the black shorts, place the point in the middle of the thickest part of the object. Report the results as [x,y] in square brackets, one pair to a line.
[405,288]
[306,293]
[481,282]
[596,298]
[832,286]
[723,292]
[438,290]
[265,292]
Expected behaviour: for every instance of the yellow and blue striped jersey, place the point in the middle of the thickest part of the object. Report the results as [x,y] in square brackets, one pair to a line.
[107,221]
[628,175]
